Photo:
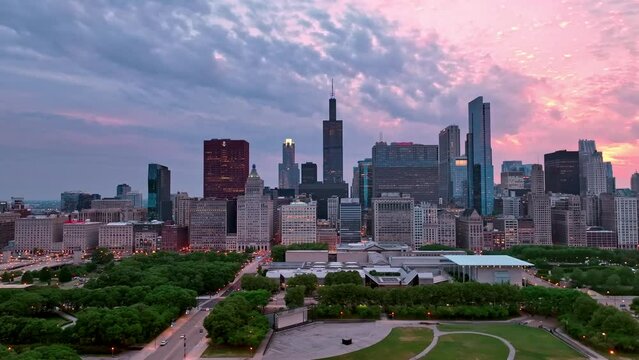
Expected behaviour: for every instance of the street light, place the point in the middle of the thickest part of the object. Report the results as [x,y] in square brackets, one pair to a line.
[112,351]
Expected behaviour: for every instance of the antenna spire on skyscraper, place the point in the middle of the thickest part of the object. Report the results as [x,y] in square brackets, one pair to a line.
[332,90]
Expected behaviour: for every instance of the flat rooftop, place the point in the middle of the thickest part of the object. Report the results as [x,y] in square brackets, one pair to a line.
[486,260]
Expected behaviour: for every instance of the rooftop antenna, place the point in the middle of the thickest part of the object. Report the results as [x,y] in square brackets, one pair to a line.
[332,90]
[381,136]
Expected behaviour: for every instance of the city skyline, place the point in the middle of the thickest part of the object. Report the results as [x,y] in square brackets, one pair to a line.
[404,71]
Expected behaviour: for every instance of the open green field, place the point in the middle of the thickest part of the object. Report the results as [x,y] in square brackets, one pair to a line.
[467,346]
[221,351]
[530,343]
[401,343]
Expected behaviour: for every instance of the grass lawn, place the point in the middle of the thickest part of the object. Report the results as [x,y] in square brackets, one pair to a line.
[467,346]
[400,344]
[530,343]
[215,350]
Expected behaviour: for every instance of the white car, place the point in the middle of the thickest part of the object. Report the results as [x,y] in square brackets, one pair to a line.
[163,342]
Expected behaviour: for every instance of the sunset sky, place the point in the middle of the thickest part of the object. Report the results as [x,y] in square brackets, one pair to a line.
[92,91]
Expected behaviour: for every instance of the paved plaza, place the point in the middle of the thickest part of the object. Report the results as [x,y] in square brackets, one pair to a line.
[325,339]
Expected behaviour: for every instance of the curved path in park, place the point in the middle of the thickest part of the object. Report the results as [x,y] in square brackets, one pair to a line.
[437,334]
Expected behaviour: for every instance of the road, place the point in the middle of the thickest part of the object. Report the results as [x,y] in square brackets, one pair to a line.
[534,280]
[190,325]
[176,347]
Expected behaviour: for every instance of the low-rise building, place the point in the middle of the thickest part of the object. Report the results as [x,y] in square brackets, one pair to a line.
[80,235]
[117,237]
[39,232]
[601,238]
[7,227]
[174,238]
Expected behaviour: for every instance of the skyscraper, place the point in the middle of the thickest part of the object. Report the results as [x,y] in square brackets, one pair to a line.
[480,158]
[393,219]
[539,209]
[562,172]
[207,225]
[122,190]
[592,170]
[298,223]
[365,182]
[611,185]
[333,144]
[159,184]
[537,181]
[448,152]
[350,220]
[634,182]
[619,214]
[309,173]
[288,170]
[226,166]
[406,168]
[569,222]
[459,181]
[254,215]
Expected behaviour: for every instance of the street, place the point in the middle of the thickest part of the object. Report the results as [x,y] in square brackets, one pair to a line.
[190,326]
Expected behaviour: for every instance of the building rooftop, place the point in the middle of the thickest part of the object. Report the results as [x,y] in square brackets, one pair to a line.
[486,260]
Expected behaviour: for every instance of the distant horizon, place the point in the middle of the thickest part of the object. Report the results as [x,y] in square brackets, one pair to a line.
[92,93]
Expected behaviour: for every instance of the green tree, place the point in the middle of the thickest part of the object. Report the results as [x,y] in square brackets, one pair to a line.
[257,298]
[309,281]
[45,275]
[27,277]
[613,281]
[65,274]
[343,277]
[256,282]
[101,256]
[6,277]
[635,305]
[51,352]
[294,296]
[234,321]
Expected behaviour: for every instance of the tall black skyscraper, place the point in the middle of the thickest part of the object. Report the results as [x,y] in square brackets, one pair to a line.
[448,152]
[562,172]
[480,158]
[333,144]
[159,207]
[309,173]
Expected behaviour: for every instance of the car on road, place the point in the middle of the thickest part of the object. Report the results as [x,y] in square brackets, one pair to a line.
[207,309]
[163,342]
[201,331]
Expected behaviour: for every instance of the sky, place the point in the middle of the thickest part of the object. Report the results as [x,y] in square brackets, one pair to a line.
[91,92]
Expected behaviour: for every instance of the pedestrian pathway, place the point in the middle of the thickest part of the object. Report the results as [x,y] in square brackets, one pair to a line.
[437,334]
[67,317]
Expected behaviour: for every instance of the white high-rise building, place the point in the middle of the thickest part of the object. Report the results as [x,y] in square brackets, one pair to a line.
[254,215]
[182,208]
[592,169]
[447,228]
[426,225]
[619,214]
[511,206]
[299,225]
[39,233]
[539,207]
[393,219]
